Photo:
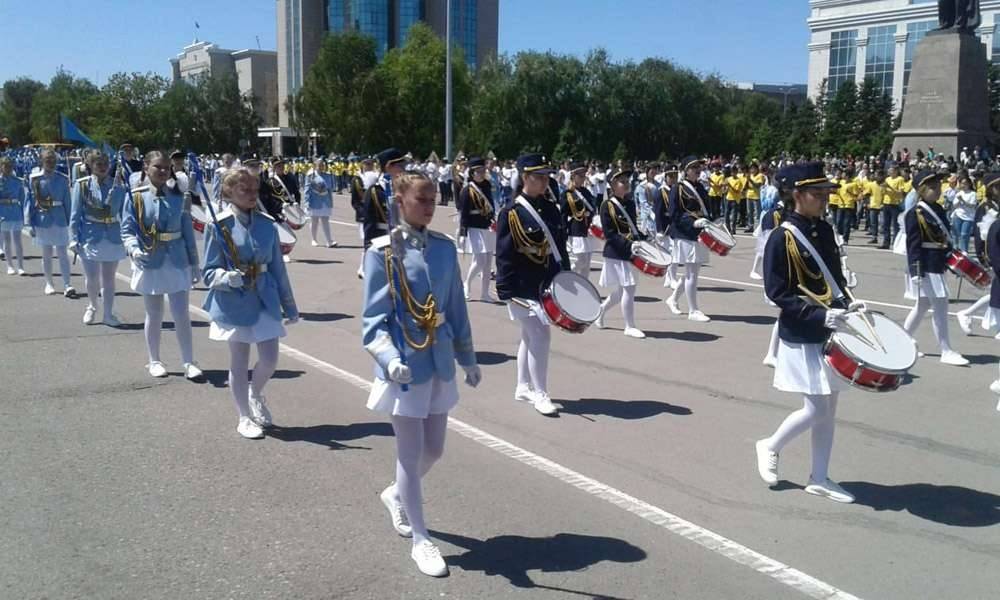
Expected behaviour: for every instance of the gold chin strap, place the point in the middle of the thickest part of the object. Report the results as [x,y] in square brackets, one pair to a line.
[538,251]
[803,275]
[424,314]
[150,232]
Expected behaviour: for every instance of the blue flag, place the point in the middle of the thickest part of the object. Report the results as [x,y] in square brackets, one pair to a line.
[71,133]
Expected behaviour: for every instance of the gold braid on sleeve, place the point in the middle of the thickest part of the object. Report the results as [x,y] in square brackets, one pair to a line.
[613,213]
[537,252]
[151,232]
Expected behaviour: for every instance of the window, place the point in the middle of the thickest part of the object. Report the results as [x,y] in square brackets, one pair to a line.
[336,15]
[464,23]
[410,12]
[843,59]
[915,33]
[881,57]
[371,17]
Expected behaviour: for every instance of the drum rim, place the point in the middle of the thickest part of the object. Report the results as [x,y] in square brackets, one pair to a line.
[724,242]
[854,382]
[832,340]
[666,256]
[562,310]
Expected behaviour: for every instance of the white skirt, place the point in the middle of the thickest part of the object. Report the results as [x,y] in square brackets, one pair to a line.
[762,242]
[51,236]
[521,313]
[266,328]
[802,369]
[104,251]
[617,273]
[323,211]
[480,241]
[991,319]
[15,226]
[434,397]
[583,245]
[932,285]
[168,279]
[687,252]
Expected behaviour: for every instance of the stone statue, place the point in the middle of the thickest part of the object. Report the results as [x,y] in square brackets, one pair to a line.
[959,15]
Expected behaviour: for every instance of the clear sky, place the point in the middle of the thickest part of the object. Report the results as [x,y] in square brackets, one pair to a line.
[742,40]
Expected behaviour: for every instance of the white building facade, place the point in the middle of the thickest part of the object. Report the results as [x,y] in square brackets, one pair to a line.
[851,40]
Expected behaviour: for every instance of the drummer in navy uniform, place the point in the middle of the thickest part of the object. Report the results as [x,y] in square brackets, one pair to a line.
[358,187]
[661,218]
[688,216]
[531,250]
[621,236]
[578,209]
[770,221]
[928,245]
[992,248]
[476,222]
[376,223]
[792,261]
[278,188]
[986,214]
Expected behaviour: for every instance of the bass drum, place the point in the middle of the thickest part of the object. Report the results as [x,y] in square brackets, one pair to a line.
[286,238]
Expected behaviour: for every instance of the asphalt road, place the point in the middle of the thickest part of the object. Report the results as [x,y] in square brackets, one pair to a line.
[116,485]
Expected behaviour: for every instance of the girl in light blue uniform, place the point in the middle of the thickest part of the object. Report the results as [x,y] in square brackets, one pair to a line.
[248,292]
[159,238]
[319,198]
[96,235]
[11,215]
[47,214]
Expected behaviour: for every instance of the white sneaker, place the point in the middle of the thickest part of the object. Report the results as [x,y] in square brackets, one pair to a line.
[192,371]
[633,332]
[698,317]
[674,282]
[11,271]
[543,404]
[756,275]
[69,292]
[21,272]
[829,489]
[157,369]
[332,244]
[672,305]
[524,393]
[112,320]
[50,290]
[88,315]
[248,429]
[770,361]
[767,463]
[964,322]
[995,387]
[953,358]
[315,244]
[428,559]
[396,513]
[599,323]
[259,411]
[286,259]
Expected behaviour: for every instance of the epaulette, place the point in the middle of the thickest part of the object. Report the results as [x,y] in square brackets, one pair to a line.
[224,214]
[381,242]
[140,189]
[261,213]
[440,236]
[36,174]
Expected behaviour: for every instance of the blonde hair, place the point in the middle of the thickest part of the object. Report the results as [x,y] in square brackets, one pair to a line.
[233,177]
[403,182]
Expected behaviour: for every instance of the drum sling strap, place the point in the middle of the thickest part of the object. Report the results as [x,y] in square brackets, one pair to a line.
[553,249]
[937,220]
[827,275]
[631,224]
[694,192]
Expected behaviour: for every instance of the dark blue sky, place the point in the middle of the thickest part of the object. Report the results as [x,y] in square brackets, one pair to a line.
[742,40]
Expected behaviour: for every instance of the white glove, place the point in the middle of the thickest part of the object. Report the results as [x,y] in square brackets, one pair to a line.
[857,306]
[660,237]
[233,279]
[399,372]
[195,276]
[473,375]
[74,247]
[635,247]
[139,257]
[291,320]
[915,280]
[835,318]
[702,223]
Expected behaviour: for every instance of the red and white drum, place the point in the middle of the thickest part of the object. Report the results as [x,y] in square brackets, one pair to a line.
[873,360]
[286,238]
[651,260]
[717,239]
[571,302]
[199,217]
[294,216]
[596,229]
[969,269]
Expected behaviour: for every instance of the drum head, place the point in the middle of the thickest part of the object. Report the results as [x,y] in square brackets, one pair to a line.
[897,351]
[285,235]
[652,254]
[576,296]
[293,213]
[198,213]
[720,234]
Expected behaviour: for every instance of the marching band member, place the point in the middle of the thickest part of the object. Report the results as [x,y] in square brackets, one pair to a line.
[228,160]
[476,222]
[278,188]
[805,255]
[986,214]
[770,221]
[618,218]
[46,212]
[248,292]
[360,182]
[578,208]
[96,235]
[319,200]
[644,197]
[11,215]
[687,219]
[927,246]
[661,214]
[393,163]
[416,268]
[531,250]
[159,238]
[993,249]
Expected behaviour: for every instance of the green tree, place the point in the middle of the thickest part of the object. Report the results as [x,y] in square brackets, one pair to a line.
[127,110]
[15,111]
[839,126]
[67,95]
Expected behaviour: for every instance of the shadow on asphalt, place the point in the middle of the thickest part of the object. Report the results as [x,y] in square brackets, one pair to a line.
[748,319]
[720,289]
[682,336]
[220,378]
[324,317]
[316,261]
[647,299]
[946,504]
[621,409]
[493,358]
[332,436]
[513,556]
[981,359]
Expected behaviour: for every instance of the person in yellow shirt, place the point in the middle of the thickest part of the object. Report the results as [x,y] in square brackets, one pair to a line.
[716,188]
[850,191]
[734,198]
[834,203]
[755,180]
[876,193]
[745,179]
[896,187]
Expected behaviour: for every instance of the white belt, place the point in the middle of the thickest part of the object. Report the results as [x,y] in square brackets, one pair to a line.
[50,204]
[479,212]
[168,236]
[382,226]
[932,246]
[106,221]
[9,201]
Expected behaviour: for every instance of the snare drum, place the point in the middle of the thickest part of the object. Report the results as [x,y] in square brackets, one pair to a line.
[596,229]
[199,217]
[969,269]
[650,260]
[294,216]
[286,239]
[571,302]
[717,239]
[872,363]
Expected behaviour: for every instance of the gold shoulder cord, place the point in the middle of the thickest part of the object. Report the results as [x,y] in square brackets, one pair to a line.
[926,232]
[777,218]
[378,205]
[627,234]
[480,200]
[540,250]
[681,196]
[37,188]
[578,214]
[424,314]
[802,272]
[150,232]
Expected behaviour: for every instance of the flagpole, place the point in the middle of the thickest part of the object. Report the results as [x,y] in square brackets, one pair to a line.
[447,83]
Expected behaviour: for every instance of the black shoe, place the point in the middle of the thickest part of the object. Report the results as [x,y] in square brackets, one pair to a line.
[884,247]
[873,241]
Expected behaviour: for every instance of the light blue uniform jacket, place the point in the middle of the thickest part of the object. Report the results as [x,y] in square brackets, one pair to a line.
[171,216]
[11,199]
[93,202]
[318,190]
[56,187]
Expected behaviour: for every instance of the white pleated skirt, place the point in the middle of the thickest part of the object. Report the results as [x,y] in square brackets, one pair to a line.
[103,251]
[802,369]
[521,313]
[687,252]
[583,245]
[932,285]
[991,320]
[15,226]
[617,273]
[167,279]
[266,328]
[323,211]
[51,236]
[434,397]
[480,241]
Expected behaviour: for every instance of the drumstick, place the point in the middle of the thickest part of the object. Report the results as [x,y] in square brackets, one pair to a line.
[868,323]
[860,334]
[521,303]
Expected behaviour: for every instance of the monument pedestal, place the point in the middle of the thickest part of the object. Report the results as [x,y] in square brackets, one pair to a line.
[947,99]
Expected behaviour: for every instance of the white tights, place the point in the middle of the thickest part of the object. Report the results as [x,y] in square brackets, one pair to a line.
[772,346]
[100,279]
[689,287]
[533,355]
[581,264]
[239,362]
[480,266]
[315,222]
[625,295]
[12,242]
[182,324]
[819,414]
[64,269]
[757,259]
[419,444]
[977,305]
[671,278]
[939,319]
